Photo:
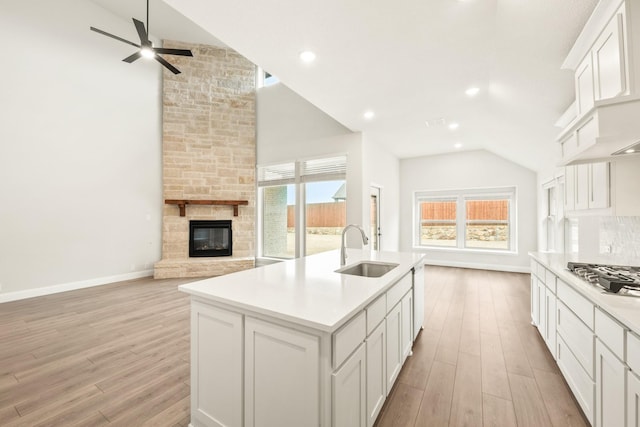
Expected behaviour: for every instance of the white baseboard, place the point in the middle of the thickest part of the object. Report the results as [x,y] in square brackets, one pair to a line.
[478,266]
[48,290]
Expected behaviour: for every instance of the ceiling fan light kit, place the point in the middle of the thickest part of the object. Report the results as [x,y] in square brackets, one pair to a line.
[146,49]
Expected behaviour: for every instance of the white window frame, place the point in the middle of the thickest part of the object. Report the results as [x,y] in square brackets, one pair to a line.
[462,196]
[313,169]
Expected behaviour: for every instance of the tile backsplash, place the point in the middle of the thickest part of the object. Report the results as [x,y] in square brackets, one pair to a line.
[622,233]
[615,236]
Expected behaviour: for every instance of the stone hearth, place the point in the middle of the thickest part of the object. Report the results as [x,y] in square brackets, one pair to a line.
[208,154]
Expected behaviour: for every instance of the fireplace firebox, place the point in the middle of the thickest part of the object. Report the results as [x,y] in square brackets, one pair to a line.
[210,238]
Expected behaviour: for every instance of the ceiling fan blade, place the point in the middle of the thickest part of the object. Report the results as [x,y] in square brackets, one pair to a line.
[133,57]
[181,52]
[142,33]
[113,37]
[170,67]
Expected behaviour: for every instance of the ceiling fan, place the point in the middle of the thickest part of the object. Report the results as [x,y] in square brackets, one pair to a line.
[146,47]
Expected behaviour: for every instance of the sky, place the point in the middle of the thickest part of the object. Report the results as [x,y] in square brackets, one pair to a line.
[317,192]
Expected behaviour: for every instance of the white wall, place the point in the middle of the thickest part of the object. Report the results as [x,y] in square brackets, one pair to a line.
[382,169]
[80,150]
[284,118]
[473,169]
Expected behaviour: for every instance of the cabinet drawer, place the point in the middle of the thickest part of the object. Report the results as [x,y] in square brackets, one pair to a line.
[348,338]
[577,336]
[397,291]
[375,313]
[581,306]
[582,386]
[541,272]
[534,268]
[633,352]
[550,280]
[610,332]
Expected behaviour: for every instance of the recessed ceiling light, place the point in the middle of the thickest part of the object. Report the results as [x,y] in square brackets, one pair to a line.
[453,126]
[307,56]
[368,115]
[457,146]
[630,150]
[472,91]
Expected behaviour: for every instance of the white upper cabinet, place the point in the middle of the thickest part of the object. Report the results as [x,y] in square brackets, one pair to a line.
[598,185]
[606,67]
[584,86]
[610,73]
[587,187]
[582,187]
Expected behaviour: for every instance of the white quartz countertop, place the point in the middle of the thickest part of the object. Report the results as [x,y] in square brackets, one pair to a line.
[306,290]
[624,308]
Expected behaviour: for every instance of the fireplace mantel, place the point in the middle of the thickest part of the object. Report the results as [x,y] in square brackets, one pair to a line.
[183,203]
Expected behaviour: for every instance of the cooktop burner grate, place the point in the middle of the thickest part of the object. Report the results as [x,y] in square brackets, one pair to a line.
[613,278]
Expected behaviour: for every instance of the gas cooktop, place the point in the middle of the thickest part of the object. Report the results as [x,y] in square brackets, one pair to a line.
[612,278]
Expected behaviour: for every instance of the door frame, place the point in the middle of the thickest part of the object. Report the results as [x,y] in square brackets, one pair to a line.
[376,191]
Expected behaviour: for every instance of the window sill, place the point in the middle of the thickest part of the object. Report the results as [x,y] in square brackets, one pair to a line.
[464,250]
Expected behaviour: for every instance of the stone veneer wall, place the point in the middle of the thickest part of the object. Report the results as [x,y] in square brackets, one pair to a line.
[209,152]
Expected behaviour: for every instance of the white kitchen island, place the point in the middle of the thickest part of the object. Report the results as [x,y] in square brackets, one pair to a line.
[297,344]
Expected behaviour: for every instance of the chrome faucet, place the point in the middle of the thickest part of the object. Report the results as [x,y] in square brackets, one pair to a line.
[343,252]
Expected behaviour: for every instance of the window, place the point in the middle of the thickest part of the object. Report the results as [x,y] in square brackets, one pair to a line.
[277,192]
[487,223]
[264,78]
[478,219]
[438,222]
[302,207]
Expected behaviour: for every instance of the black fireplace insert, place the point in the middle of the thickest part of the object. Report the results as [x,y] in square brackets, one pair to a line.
[210,238]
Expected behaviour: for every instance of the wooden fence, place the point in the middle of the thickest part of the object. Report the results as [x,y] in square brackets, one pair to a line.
[477,210]
[333,214]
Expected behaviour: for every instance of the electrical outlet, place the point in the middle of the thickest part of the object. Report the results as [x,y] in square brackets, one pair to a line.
[0,287]
[606,249]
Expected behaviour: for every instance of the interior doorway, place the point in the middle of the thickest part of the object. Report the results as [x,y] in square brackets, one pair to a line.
[374,208]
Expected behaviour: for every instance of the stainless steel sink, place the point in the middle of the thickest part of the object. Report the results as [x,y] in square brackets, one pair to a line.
[368,269]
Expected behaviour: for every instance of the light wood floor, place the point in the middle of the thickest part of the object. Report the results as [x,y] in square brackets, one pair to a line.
[115,354]
[479,362]
[119,355]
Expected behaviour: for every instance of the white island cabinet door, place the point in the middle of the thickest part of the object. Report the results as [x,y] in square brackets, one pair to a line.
[394,345]
[349,391]
[610,388]
[376,378]
[282,376]
[216,367]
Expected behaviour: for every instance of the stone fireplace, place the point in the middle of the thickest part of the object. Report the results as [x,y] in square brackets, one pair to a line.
[208,155]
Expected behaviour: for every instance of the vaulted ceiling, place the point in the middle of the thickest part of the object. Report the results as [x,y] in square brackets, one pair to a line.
[408,61]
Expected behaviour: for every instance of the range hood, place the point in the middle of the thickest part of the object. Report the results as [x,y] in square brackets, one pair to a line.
[608,130]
